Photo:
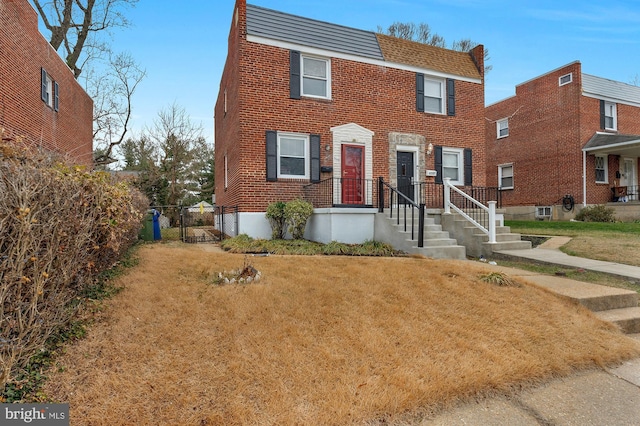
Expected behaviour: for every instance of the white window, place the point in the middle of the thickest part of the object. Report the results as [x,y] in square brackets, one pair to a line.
[433,96]
[453,165]
[503,128]
[49,90]
[293,156]
[543,212]
[602,175]
[610,116]
[505,176]
[565,79]
[316,74]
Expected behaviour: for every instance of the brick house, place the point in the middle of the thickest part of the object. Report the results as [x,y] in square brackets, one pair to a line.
[564,133]
[41,103]
[309,106]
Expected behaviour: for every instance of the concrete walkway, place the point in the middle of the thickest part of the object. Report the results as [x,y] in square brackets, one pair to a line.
[597,397]
[549,253]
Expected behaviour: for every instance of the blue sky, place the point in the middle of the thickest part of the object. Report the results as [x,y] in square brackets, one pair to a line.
[183,44]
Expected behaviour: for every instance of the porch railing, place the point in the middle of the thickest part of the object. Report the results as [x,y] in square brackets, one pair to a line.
[341,192]
[625,193]
[481,216]
[432,194]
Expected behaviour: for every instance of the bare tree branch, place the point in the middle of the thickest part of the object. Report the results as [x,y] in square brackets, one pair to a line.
[112,94]
[73,22]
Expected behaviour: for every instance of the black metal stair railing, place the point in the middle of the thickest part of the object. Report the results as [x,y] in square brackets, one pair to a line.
[401,204]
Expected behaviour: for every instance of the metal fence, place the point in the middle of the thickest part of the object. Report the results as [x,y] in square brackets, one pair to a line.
[207,224]
[197,224]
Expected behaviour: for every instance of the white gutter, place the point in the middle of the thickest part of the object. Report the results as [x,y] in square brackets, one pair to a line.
[584,178]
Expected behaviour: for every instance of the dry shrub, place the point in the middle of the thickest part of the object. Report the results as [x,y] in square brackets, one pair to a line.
[59,227]
[319,340]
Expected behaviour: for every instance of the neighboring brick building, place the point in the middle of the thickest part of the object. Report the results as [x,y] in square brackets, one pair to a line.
[565,133]
[303,101]
[41,103]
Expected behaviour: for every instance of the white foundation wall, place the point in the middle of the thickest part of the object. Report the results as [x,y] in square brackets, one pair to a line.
[349,226]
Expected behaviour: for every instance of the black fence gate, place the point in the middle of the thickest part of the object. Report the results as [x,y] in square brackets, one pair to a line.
[207,224]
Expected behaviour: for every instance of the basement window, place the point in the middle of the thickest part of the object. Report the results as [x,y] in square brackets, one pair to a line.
[543,212]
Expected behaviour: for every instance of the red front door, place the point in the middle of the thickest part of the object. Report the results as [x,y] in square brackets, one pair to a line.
[352,174]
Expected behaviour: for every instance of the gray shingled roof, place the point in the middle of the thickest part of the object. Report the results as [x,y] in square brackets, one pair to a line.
[610,140]
[281,26]
[616,91]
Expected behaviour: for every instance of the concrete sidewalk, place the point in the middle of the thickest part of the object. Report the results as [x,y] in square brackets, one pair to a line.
[549,253]
[596,397]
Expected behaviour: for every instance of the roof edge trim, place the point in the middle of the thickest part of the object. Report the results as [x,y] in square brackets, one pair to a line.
[355,58]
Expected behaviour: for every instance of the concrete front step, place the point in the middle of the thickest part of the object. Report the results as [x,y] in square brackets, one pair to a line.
[437,243]
[592,296]
[440,252]
[628,319]
[509,245]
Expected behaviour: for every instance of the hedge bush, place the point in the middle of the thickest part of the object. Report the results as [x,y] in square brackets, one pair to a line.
[296,214]
[275,216]
[60,226]
[597,213]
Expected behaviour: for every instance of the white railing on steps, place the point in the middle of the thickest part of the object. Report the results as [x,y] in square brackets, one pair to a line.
[489,228]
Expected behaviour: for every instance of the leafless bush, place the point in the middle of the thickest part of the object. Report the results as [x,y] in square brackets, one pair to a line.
[59,227]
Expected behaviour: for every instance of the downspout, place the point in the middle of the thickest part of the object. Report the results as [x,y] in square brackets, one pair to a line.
[584,178]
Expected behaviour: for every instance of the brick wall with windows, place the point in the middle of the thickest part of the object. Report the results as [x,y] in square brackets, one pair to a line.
[550,121]
[380,99]
[544,143]
[56,116]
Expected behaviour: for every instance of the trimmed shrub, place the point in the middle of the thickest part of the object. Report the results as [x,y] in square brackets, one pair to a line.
[297,213]
[275,216]
[60,226]
[597,213]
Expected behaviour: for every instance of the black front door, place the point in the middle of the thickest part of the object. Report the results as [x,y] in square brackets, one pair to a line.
[405,174]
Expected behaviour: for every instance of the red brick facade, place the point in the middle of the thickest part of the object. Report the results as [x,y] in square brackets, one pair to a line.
[379,98]
[549,125]
[24,116]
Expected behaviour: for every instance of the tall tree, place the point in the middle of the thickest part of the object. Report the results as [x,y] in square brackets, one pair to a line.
[79,30]
[77,26]
[177,139]
[422,33]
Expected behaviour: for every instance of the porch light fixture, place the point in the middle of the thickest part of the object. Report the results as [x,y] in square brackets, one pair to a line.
[327,147]
[429,149]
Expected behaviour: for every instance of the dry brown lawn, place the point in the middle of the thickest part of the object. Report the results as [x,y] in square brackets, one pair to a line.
[621,249]
[319,340]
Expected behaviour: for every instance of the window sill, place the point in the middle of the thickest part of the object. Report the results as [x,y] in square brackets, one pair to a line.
[316,98]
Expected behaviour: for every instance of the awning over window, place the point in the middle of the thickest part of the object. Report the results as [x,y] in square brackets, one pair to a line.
[614,144]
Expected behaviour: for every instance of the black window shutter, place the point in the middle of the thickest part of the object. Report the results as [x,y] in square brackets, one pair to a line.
[468,167]
[43,85]
[315,158]
[294,74]
[451,96]
[55,96]
[419,92]
[272,156]
[437,152]
[602,121]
